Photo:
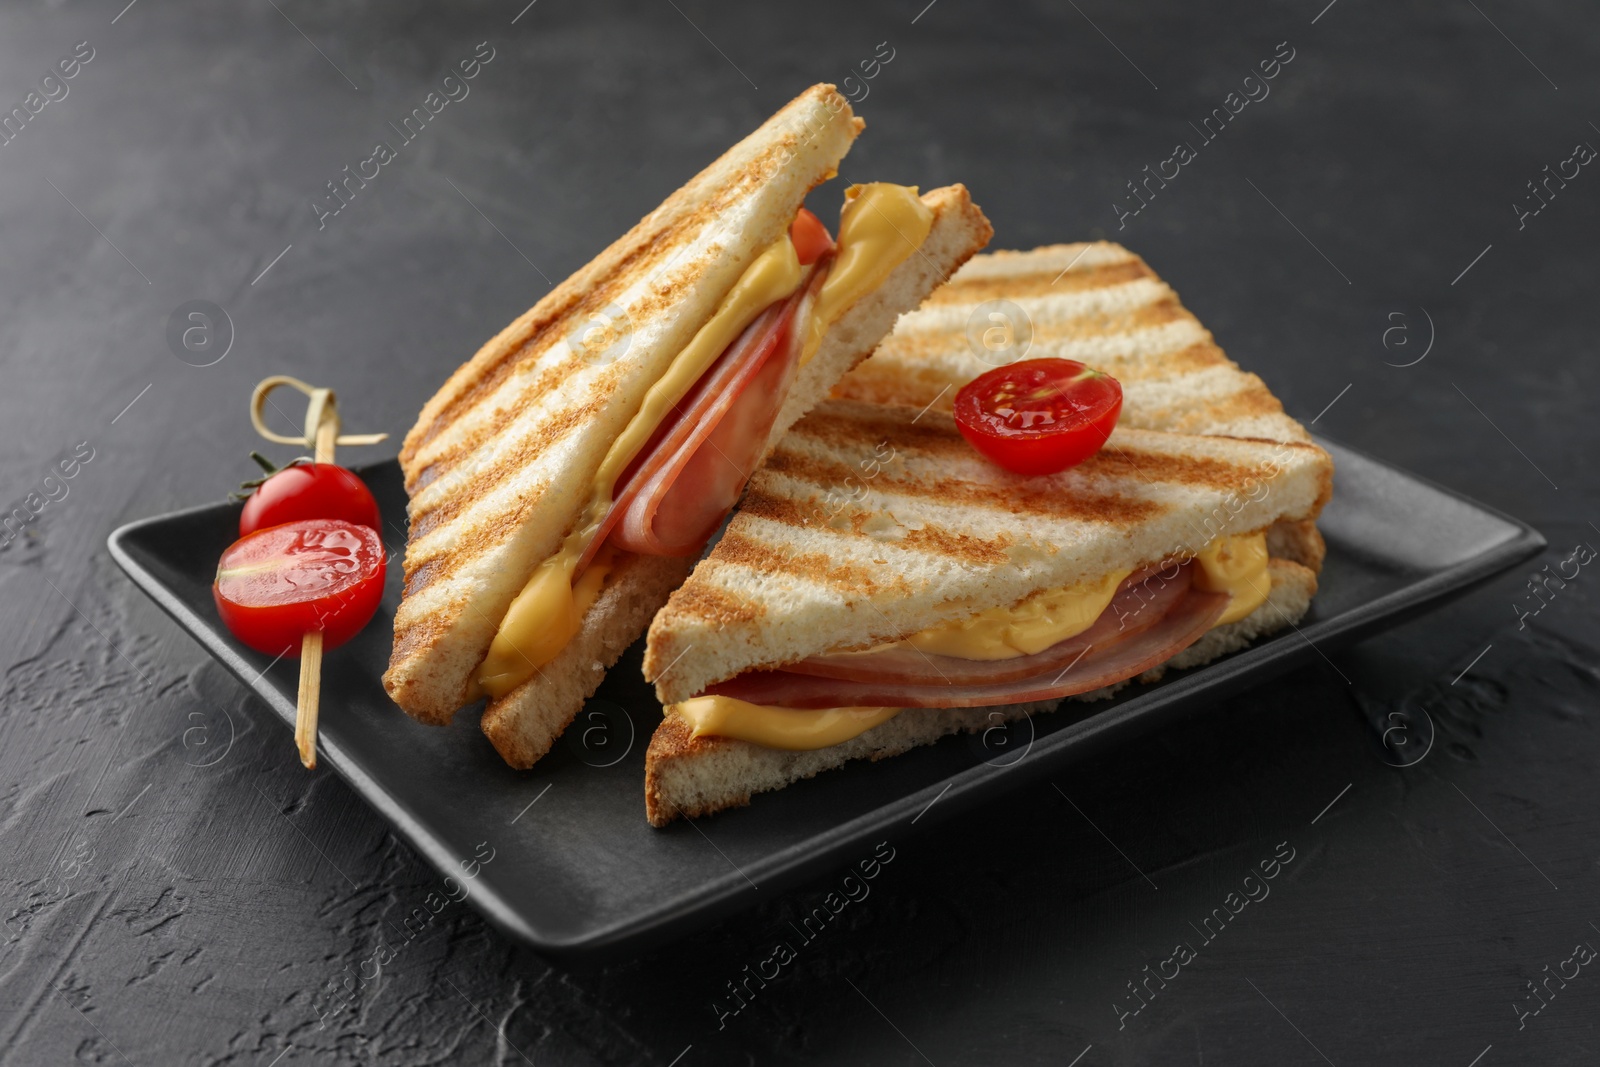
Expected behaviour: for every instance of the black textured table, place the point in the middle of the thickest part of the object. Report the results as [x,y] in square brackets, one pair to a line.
[1360,229]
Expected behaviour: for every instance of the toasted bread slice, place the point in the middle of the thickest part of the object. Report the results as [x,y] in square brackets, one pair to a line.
[873,521]
[694,776]
[1097,303]
[501,459]
[525,722]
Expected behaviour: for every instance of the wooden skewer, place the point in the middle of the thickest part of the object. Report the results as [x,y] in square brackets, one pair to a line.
[322,433]
[309,700]
[305,715]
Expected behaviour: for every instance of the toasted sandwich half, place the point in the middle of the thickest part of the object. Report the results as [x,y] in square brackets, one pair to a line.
[1100,304]
[884,586]
[1097,303]
[563,480]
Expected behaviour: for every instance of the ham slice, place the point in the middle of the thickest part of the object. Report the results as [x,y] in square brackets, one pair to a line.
[690,475]
[1193,614]
[1142,601]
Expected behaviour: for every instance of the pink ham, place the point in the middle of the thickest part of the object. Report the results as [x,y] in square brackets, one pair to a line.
[1141,602]
[1193,614]
[690,475]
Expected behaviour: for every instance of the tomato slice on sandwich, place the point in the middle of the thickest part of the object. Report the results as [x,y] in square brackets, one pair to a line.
[1039,416]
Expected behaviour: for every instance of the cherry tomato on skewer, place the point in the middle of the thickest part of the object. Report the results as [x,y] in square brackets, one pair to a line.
[276,585]
[1039,416]
[309,491]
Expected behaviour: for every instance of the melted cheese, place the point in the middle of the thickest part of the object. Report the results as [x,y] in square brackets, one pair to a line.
[559,606]
[1237,566]
[879,222]
[791,729]
[1030,626]
[880,227]
[1234,565]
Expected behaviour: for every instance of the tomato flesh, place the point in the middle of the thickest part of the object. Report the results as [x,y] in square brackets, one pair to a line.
[276,585]
[811,238]
[1039,416]
[309,491]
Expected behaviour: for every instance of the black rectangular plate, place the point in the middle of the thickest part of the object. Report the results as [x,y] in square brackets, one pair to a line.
[581,872]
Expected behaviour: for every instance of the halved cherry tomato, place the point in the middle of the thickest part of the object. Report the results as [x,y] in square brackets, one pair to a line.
[276,585]
[811,238]
[1039,416]
[309,491]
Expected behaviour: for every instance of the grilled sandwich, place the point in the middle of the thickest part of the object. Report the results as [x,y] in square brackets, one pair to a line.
[564,478]
[883,585]
[1100,304]
[1096,303]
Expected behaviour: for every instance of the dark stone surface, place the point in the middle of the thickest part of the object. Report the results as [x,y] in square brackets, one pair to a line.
[175,887]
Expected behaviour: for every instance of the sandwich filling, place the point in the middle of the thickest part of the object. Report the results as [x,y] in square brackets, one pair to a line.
[785,728]
[1051,644]
[681,462]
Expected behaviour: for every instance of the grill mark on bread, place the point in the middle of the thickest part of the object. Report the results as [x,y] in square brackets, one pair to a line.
[523,455]
[919,343]
[702,600]
[781,509]
[420,574]
[1254,399]
[1119,461]
[938,540]
[1021,286]
[424,477]
[463,548]
[446,461]
[737,549]
[588,294]
[1155,366]
[1020,497]
[1162,312]
[479,429]
[891,423]
[930,537]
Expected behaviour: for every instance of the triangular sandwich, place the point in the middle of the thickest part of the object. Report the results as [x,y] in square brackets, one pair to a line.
[564,478]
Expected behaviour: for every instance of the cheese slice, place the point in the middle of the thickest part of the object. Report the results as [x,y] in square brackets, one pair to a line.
[880,227]
[558,605]
[1236,565]
[1027,628]
[786,728]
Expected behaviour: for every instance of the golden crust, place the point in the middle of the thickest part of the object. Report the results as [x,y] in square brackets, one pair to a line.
[674,740]
[1299,541]
[1097,303]
[595,286]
